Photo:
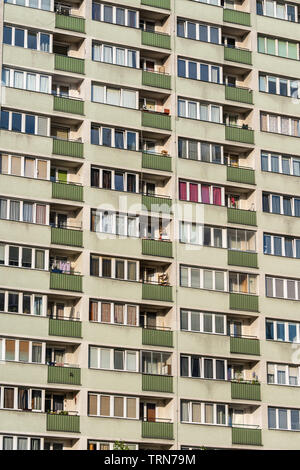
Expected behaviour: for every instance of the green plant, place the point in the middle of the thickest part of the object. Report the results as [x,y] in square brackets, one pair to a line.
[120,445]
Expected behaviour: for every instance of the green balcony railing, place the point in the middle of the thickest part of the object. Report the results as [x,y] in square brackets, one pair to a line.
[242,56]
[243,95]
[155,161]
[63,423]
[157,430]
[245,391]
[72,192]
[64,375]
[243,302]
[245,436]
[157,383]
[150,38]
[242,258]
[157,120]
[158,80]
[67,328]
[241,175]
[157,204]
[72,23]
[240,345]
[154,337]
[166,4]
[62,281]
[67,147]
[157,292]
[237,17]
[68,105]
[239,134]
[69,64]
[157,248]
[241,216]
[66,236]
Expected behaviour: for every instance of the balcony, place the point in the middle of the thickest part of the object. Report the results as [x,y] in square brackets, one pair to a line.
[166,4]
[161,40]
[158,80]
[239,134]
[242,258]
[243,345]
[240,175]
[157,248]
[242,56]
[63,422]
[237,17]
[69,148]
[69,64]
[67,328]
[157,292]
[64,375]
[243,95]
[241,216]
[66,236]
[157,383]
[246,302]
[156,120]
[156,204]
[69,191]
[157,337]
[68,105]
[71,23]
[63,281]
[245,391]
[156,161]
[157,430]
[246,436]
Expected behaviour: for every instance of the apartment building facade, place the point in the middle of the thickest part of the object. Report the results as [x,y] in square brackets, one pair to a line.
[144,297]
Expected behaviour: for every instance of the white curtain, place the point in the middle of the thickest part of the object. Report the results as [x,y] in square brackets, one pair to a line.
[120,56]
[14,210]
[31,82]
[98,93]
[19,80]
[129,99]
[107,54]
[3,208]
[5,77]
[44,84]
[27,212]
[7,443]
[42,126]
[97,52]
[113,96]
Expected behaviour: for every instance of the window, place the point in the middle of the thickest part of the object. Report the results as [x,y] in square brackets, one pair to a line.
[197,234]
[115,96]
[154,362]
[204,413]
[113,406]
[201,278]
[242,283]
[285,164]
[283,288]
[277,9]
[111,137]
[114,359]
[283,205]
[200,111]
[282,331]
[281,246]
[28,39]
[115,55]
[201,367]
[197,31]
[279,86]
[198,192]
[202,151]
[29,124]
[116,15]
[283,374]
[278,47]
[199,71]
[40,4]
[282,418]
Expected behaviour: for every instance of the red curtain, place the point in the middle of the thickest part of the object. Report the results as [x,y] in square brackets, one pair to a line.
[205,194]
[193,192]
[182,191]
[217,196]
